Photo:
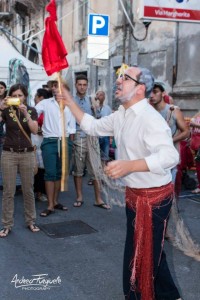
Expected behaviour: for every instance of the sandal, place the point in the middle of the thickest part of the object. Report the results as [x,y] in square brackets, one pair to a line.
[4,232]
[90,182]
[60,206]
[102,205]
[196,191]
[33,228]
[78,203]
[46,213]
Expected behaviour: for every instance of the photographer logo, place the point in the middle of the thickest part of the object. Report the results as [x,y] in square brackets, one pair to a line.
[36,282]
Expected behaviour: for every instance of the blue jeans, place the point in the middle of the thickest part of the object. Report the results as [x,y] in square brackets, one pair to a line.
[104,143]
[174,172]
[164,286]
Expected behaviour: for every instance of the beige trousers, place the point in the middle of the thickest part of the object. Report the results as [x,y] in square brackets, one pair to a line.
[11,162]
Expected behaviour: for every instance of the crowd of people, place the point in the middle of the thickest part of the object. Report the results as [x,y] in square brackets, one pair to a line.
[22,127]
[147,130]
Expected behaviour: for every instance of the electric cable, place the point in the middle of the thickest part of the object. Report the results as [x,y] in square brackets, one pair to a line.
[132,25]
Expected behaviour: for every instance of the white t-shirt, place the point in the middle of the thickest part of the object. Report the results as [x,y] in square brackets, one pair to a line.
[52,119]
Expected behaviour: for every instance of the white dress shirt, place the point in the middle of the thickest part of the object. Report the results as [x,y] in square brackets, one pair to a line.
[140,132]
[52,119]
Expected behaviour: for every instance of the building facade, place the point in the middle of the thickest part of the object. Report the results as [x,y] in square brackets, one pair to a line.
[169,49]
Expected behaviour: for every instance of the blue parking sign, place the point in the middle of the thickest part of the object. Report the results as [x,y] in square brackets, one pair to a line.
[98,25]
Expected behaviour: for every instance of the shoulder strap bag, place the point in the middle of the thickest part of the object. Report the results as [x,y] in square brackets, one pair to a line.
[28,138]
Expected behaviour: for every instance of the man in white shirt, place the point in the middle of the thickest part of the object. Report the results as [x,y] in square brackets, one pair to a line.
[51,148]
[146,156]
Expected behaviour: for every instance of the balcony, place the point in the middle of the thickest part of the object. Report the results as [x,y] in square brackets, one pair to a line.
[25,7]
[6,16]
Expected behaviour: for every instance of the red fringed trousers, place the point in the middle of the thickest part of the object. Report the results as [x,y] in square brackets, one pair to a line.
[146,273]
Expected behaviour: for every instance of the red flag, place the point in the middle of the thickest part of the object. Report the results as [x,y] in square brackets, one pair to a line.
[53,49]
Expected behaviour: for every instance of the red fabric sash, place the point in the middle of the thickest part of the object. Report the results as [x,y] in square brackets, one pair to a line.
[142,202]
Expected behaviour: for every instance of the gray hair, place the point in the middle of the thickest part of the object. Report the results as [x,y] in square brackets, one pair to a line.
[146,77]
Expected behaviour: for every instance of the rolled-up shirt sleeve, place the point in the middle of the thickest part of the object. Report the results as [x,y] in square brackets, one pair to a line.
[164,155]
[158,165]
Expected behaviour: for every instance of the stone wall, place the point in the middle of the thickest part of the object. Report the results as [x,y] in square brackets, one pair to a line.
[171,51]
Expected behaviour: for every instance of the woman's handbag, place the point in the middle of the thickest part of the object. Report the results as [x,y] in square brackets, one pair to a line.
[195,141]
[26,135]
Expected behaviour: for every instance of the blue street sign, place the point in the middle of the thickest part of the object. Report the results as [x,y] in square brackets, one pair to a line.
[98,25]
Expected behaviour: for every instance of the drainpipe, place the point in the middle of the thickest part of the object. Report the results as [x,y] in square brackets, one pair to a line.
[175,58]
[124,39]
[97,79]
[130,34]
[23,37]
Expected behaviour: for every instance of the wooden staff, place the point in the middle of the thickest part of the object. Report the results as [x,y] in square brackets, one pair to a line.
[64,183]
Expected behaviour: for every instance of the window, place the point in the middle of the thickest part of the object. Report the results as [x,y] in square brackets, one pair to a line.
[33,56]
[80,73]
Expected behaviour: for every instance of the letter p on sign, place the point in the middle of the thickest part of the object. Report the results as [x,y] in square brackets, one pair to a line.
[98,25]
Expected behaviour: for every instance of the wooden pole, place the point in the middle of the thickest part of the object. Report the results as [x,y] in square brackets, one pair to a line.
[64,183]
